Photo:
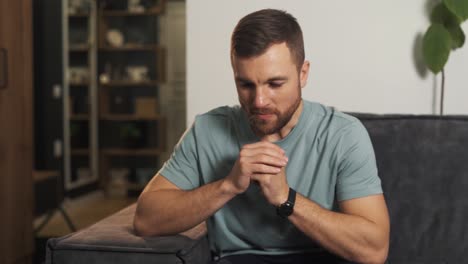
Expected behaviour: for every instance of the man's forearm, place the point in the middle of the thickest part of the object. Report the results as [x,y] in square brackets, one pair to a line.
[170,211]
[349,236]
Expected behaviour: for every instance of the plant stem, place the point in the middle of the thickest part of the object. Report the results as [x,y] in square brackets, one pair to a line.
[442,90]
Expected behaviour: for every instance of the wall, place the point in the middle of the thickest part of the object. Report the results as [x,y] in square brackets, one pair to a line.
[362,55]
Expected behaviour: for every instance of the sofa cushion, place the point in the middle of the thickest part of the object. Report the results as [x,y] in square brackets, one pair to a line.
[113,240]
[423,164]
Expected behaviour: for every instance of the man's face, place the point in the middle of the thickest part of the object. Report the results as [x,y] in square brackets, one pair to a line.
[269,88]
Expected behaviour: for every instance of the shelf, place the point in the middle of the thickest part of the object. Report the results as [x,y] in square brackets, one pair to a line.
[79,48]
[80,152]
[126,13]
[131,152]
[79,117]
[131,47]
[40,175]
[78,84]
[130,117]
[130,83]
[75,15]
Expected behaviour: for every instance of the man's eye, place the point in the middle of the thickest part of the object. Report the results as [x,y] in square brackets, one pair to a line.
[276,84]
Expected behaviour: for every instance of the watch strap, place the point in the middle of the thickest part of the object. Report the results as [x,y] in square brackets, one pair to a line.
[291,196]
[287,208]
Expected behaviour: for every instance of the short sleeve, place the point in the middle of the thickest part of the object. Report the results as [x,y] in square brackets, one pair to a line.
[182,167]
[357,168]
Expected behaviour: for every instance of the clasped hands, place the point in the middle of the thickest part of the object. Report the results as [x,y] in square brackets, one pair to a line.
[264,163]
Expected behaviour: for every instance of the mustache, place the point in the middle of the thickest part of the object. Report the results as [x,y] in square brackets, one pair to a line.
[264,111]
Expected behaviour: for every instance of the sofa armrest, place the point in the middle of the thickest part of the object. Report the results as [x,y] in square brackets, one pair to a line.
[113,240]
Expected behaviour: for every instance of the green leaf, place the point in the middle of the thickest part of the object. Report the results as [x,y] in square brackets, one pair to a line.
[458,7]
[457,34]
[442,15]
[437,44]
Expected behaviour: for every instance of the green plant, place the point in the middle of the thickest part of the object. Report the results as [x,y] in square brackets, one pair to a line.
[129,131]
[444,35]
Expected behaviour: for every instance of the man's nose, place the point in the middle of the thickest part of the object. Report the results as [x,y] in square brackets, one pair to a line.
[260,98]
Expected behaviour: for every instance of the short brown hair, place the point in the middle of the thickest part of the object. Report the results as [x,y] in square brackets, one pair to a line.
[257,31]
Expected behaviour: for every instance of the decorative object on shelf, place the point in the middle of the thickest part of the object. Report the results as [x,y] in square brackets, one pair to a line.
[105,77]
[131,135]
[144,175]
[78,74]
[135,6]
[119,175]
[137,73]
[118,178]
[115,38]
[120,105]
[79,7]
[145,107]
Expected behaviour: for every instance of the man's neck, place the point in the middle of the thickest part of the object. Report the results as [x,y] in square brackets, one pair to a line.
[284,132]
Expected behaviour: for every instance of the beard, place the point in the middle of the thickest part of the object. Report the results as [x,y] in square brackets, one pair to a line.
[263,127]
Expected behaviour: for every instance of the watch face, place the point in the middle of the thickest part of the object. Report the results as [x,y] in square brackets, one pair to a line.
[285,209]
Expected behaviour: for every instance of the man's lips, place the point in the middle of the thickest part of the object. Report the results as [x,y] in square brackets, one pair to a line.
[263,116]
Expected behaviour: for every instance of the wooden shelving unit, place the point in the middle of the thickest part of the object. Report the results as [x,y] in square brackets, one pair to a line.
[79,117]
[130,83]
[93,128]
[79,48]
[117,117]
[79,84]
[80,152]
[78,15]
[132,47]
[116,81]
[131,152]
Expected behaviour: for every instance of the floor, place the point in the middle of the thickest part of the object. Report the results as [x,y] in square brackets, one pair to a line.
[83,212]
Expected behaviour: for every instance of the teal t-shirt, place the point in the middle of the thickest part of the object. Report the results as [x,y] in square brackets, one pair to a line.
[330,159]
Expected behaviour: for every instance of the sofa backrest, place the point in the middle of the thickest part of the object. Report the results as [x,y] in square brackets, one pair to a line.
[423,165]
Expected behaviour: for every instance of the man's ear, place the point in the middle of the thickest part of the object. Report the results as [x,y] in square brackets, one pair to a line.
[304,74]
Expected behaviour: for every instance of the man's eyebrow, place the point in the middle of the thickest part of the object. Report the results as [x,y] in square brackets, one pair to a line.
[272,79]
[243,80]
[278,78]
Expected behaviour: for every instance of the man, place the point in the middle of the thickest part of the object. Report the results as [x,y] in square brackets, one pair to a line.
[266,176]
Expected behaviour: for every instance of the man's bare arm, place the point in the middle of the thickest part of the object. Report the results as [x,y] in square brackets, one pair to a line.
[360,233]
[164,209]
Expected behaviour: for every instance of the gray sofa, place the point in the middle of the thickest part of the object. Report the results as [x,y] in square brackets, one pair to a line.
[423,164]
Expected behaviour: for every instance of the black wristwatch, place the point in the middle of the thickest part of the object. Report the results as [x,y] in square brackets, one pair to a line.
[287,208]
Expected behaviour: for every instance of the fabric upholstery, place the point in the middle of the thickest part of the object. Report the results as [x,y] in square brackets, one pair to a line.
[423,164]
[113,240]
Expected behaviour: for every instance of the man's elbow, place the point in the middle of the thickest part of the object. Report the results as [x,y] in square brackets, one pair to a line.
[374,257]
[140,227]
[145,226]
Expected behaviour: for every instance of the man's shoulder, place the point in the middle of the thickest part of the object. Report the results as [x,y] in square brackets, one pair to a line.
[330,125]
[329,116]
[218,120]
[222,113]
